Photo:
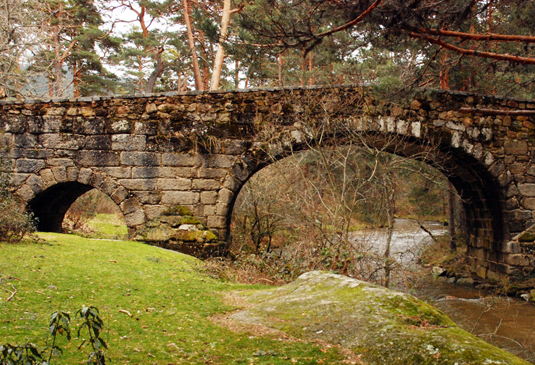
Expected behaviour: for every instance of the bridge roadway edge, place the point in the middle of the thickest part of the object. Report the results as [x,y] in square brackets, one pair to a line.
[196,149]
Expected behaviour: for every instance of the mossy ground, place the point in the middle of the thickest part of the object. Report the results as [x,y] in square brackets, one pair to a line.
[379,325]
[170,298]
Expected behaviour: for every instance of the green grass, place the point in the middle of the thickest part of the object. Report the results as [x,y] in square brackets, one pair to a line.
[108,226]
[169,296]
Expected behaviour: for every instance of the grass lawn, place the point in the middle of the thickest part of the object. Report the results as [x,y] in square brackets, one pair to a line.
[169,296]
[108,226]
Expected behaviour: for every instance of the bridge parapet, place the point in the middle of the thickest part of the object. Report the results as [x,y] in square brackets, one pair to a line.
[152,152]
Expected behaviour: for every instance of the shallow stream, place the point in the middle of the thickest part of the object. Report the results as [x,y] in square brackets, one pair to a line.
[508,323]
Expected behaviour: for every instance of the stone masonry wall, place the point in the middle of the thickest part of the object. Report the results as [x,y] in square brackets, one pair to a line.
[197,149]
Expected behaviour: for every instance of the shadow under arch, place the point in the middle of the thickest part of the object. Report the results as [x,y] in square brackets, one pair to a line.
[50,205]
[480,191]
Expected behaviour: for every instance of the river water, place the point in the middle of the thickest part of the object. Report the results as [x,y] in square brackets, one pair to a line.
[508,323]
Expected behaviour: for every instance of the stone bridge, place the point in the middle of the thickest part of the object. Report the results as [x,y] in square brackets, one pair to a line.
[175,162]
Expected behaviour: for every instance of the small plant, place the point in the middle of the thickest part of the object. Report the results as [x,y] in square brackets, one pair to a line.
[26,354]
[30,354]
[59,324]
[15,223]
[93,323]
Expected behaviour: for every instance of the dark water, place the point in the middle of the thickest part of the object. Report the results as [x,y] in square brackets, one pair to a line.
[508,323]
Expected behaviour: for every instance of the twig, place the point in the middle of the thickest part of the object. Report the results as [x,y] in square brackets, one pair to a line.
[12,293]
[481,315]
[125,312]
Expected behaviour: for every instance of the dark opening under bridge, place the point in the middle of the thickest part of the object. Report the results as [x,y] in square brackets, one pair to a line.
[152,153]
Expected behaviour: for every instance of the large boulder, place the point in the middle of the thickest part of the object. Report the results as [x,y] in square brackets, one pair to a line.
[379,325]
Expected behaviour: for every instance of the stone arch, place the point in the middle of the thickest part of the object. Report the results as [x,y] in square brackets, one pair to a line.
[477,177]
[49,193]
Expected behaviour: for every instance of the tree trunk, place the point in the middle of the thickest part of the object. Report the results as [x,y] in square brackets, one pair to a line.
[195,61]
[281,83]
[156,73]
[451,216]
[310,68]
[389,233]
[76,77]
[220,55]
[237,75]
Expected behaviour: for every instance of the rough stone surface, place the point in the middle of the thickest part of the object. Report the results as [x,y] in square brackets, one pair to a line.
[381,326]
[165,149]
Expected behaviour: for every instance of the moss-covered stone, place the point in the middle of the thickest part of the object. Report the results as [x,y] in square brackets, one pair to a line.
[190,220]
[527,237]
[159,234]
[177,210]
[380,325]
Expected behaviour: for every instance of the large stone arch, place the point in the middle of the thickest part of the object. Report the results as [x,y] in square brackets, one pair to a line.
[477,177]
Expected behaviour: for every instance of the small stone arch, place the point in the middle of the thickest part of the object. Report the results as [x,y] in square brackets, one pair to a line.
[49,192]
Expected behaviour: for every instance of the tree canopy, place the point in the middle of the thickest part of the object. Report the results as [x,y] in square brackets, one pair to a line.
[87,47]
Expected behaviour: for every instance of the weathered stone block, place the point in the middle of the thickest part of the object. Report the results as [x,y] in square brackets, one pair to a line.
[29,165]
[129,206]
[515,147]
[527,189]
[128,142]
[84,176]
[25,141]
[216,221]
[120,126]
[225,196]
[64,141]
[119,195]
[180,197]
[206,184]
[60,173]
[208,197]
[109,186]
[35,183]
[48,178]
[516,259]
[97,179]
[65,162]
[88,126]
[158,234]
[212,173]
[219,161]
[136,218]
[181,160]
[173,184]
[118,172]
[222,209]
[140,158]
[153,211]
[149,197]
[25,193]
[98,142]
[18,178]
[72,173]
[138,184]
[98,158]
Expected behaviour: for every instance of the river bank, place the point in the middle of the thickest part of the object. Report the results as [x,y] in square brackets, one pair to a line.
[479,308]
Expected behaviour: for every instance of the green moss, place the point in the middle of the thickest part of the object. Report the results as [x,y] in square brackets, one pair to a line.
[177,210]
[194,236]
[190,220]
